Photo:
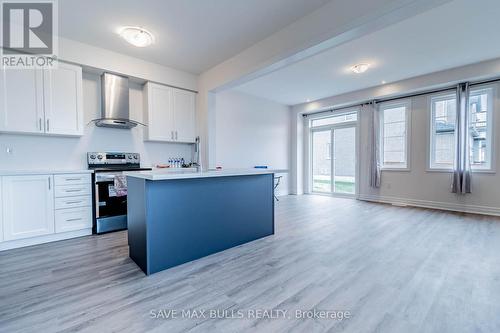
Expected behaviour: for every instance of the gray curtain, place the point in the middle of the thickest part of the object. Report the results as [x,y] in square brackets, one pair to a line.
[462,171]
[375,173]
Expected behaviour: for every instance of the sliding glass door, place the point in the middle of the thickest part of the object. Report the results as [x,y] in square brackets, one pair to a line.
[333,155]
[344,160]
[322,161]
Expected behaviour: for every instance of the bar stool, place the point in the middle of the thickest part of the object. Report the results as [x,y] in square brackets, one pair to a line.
[277,181]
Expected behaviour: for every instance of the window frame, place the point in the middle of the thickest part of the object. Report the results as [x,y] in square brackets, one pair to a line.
[431,165]
[336,113]
[406,103]
[490,135]
[309,146]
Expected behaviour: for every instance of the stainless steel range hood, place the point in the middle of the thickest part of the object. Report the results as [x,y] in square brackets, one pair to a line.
[115,102]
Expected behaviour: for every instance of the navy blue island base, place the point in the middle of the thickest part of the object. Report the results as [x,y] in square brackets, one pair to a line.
[173,221]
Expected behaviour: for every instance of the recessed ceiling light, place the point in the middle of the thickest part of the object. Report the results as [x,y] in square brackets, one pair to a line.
[308,100]
[137,36]
[383,82]
[360,68]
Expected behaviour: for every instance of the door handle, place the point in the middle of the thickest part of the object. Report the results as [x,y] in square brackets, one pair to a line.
[172,135]
[40,124]
[48,125]
[49,183]
[175,135]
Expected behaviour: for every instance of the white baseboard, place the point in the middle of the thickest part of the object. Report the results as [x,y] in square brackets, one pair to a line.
[13,244]
[462,208]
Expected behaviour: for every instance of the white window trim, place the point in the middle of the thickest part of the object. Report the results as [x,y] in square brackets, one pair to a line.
[431,167]
[388,105]
[491,168]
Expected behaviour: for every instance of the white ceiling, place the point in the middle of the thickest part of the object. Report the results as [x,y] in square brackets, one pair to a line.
[191,35]
[455,34]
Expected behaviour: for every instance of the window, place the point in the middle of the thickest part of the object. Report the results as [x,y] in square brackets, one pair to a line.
[443,136]
[443,121]
[480,123]
[335,120]
[394,135]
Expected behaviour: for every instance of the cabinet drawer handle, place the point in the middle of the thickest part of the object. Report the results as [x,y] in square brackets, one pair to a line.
[72,202]
[74,190]
[75,219]
[72,179]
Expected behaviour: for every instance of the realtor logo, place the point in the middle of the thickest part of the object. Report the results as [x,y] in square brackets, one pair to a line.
[28,33]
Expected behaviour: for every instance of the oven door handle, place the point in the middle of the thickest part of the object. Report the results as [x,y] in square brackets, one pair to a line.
[96,200]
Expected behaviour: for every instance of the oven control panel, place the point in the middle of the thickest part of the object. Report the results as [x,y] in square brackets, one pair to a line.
[98,158]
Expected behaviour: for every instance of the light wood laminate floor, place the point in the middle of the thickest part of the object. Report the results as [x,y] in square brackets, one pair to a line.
[394,269]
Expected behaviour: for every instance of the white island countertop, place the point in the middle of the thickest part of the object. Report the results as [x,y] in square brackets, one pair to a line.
[180,174]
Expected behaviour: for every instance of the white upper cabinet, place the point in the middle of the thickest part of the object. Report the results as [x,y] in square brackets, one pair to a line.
[184,115]
[21,101]
[42,101]
[27,206]
[159,115]
[63,100]
[169,114]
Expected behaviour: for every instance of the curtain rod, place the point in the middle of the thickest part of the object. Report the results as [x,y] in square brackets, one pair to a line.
[389,99]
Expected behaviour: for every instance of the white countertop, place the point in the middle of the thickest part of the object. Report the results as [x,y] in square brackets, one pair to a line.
[41,172]
[182,174]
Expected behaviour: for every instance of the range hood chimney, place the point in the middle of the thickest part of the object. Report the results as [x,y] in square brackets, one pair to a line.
[115,103]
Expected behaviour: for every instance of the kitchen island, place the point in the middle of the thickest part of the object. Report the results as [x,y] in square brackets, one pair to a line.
[176,217]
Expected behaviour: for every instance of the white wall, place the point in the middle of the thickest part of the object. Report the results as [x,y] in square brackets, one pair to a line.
[429,188]
[43,152]
[332,24]
[418,186]
[91,56]
[252,131]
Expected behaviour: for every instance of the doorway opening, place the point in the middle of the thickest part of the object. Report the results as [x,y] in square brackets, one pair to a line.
[333,154]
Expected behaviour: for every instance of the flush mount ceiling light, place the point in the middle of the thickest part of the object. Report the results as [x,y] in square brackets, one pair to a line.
[137,36]
[360,68]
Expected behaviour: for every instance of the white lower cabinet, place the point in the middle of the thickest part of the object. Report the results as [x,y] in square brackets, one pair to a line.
[27,206]
[73,202]
[72,190]
[73,219]
[42,208]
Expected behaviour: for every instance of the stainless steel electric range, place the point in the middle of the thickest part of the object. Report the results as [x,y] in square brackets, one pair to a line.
[110,205]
